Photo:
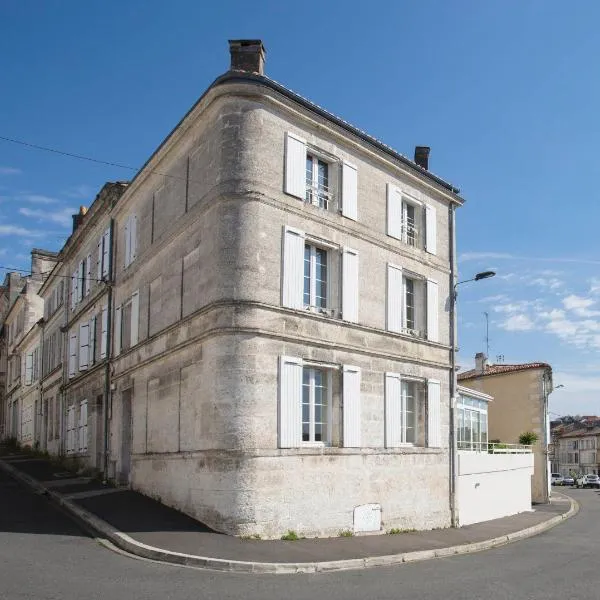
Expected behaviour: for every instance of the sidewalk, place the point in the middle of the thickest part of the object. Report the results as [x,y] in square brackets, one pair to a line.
[146,528]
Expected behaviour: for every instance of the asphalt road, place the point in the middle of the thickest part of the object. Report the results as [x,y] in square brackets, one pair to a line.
[44,555]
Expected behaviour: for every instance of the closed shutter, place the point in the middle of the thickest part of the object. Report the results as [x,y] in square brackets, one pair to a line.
[135,317]
[350,285]
[92,344]
[349,191]
[72,355]
[81,279]
[99,265]
[295,166]
[117,330]
[394,212]
[106,253]
[434,414]
[127,243]
[293,268]
[430,229]
[28,368]
[393,410]
[74,290]
[433,333]
[290,402]
[352,407]
[132,238]
[83,426]
[88,275]
[394,298]
[71,429]
[104,332]
[84,345]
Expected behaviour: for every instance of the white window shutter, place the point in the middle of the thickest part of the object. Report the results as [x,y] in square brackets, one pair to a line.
[83,423]
[80,280]
[88,275]
[394,298]
[72,355]
[28,368]
[92,344]
[74,290]
[84,345]
[290,402]
[352,407]
[117,332]
[99,265]
[350,285]
[394,211]
[132,238]
[135,317]
[434,414]
[293,268]
[127,241]
[433,333]
[393,410]
[104,332]
[106,253]
[295,166]
[349,191]
[430,229]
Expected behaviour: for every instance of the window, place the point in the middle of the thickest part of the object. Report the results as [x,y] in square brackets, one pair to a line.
[70,430]
[127,323]
[130,241]
[315,277]
[104,255]
[472,423]
[317,182]
[316,404]
[83,426]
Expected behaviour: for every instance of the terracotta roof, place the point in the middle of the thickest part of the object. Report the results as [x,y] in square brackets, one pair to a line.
[498,369]
[581,432]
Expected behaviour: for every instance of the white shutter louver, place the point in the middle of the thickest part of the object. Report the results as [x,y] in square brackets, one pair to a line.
[394,212]
[74,290]
[135,317]
[99,265]
[83,426]
[352,407]
[72,355]
[434,414]
[293,268]
[104,332]
[393,410]
[430,229]
[117,332]
[290,402]
[350,285]
[106,253]
[132,238]
[88,275]
[84,345]
[394,298]
[92,343]
[295,166]
[28,368]
[70,429]
[80,280]
[349,191]
[433,333]
[127,242]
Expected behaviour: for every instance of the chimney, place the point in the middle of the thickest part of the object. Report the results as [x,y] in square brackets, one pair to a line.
[79,217]
[480,363]
[247,55]
[422,156]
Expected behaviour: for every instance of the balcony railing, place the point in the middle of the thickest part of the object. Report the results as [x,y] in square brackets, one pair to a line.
[495,448]
[410,233]
[320,195]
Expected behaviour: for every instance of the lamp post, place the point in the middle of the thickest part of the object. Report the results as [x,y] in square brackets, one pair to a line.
[453,387]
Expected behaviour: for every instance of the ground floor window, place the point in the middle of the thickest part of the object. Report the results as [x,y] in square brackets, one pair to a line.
[472,424]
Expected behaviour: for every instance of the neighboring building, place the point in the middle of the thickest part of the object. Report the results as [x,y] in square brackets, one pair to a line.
[493,481]
[520,404]
[578,451]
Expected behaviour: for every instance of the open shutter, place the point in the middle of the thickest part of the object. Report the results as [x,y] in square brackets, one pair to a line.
[72,355]
[132,238]
[92,344]
[117,331]
[430,229]
[70,429]
[106,253]
[433,333]
[350,285]
[135,317]
[293,268]
[295,166]
[99,265]
[83,426]
[74,290]
[84,345]
[393,410]
[394,298]
[349,191]
[434,414]
[394,212]
[88,275]
[104,332]
[81,279]
[352,407]
[127,243]
[28,368]
[290,402]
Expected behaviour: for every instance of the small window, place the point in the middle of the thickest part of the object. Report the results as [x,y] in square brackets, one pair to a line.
[316,403]
[318,192]
[315,277]
[411,219]
[413,318]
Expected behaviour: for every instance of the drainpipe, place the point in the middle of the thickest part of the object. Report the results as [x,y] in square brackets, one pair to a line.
[452,432]
[107,366]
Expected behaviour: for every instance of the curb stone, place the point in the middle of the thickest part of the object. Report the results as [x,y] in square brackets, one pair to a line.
[126,543]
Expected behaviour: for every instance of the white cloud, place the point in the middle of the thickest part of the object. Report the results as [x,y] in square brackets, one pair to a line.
[15,230]
[580,305]
[551,283]
[62,217]
[79,192]
[514,307]
[10,171]
[496,298]
[517,323]
[468,256]
[37,199]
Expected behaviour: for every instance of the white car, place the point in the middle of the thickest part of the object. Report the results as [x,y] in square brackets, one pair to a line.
[557,479]
[588,481]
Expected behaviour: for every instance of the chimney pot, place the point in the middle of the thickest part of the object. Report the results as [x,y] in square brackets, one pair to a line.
[422,156]
[480,363]
[247,55]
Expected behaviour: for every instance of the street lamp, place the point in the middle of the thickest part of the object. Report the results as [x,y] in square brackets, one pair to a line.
[453,387]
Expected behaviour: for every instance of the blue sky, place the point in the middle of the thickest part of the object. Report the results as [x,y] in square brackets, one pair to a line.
[505,93]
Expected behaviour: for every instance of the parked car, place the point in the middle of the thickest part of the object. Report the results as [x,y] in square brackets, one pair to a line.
[568,480]
[588,481]
[557,479]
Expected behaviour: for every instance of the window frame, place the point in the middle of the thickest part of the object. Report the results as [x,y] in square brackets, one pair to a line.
[315,246]
[419,306]
[327,370]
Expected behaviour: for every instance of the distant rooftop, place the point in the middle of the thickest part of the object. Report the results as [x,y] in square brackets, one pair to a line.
[499,369]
